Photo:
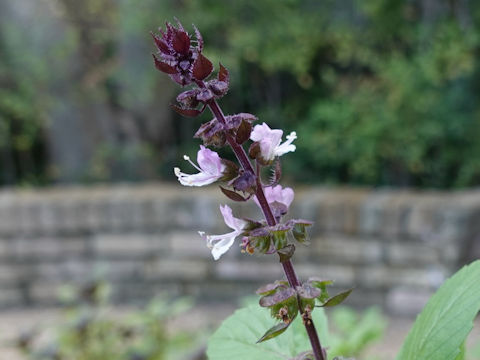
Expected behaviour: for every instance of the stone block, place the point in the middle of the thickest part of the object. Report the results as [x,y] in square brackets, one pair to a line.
[128,245]
[341,275]
[4,248]
[8,213]
[428,277]
[45,292]
[11,297]
[10,273]
[176,269]
[373,277]
[407,301]
[124,270]
[47,247]
[344,249]
[188,244]
[412,253]
[371,217]
[249,270]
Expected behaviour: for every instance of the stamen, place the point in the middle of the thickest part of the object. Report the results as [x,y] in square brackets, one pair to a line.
[187,158]
[292,136]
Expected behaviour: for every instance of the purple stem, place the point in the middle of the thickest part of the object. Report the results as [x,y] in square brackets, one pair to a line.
[292,278]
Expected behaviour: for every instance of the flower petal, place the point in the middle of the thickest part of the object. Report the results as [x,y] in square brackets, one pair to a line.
[277,194]
[219,244]
[199,179]
[231,221]
[287,145]
[209,161]
[269,140]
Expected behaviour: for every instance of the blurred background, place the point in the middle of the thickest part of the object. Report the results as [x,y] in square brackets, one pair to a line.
[383,94]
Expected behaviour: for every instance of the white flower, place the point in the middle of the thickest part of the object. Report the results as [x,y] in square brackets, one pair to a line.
[219,244]
[209,164]
[270,140]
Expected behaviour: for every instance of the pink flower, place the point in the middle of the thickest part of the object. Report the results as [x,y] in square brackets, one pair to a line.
[270,140]
[210,166]
[277,194]
[219,244]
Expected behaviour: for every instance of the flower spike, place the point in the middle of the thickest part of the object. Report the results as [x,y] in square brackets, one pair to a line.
[177,56]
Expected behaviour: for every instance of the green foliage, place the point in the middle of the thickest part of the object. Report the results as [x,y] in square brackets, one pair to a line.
[92,330]
[378,95]
[238,334]
[442,327]
[379,92]
[355,332]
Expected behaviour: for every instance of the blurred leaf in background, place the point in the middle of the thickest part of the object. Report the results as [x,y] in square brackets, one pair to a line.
[92,329]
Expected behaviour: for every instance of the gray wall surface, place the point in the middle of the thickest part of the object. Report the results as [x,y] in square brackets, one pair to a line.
[395,247]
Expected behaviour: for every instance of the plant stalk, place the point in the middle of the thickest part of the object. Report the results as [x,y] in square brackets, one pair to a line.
[288,269]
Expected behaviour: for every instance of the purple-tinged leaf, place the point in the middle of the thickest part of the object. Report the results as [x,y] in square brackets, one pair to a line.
[231,170]
[179,24]
[337,299]
[319,282]
[161,45]
[303,222]
[307,291]
[181,42]
[259,232]
[186,112]
[212,133]
[279,238]
[274,331]
[254,150]
[281,227]
[219,88]
[322,285]
[243,132]
[232,195]
[286,253]
[280,296]
[270,288]
[299,232]
[205,95]
[199,37]
[164,67]
[188,98]
[261,243]
[252,224]
[202,67]
[223,74]
[234,121]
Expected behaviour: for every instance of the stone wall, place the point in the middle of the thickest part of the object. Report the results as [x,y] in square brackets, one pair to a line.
[395,247]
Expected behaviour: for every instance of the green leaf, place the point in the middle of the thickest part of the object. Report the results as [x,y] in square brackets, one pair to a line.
[274,332]
[236,338]
[461,355]
[443,325]
[337,299]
